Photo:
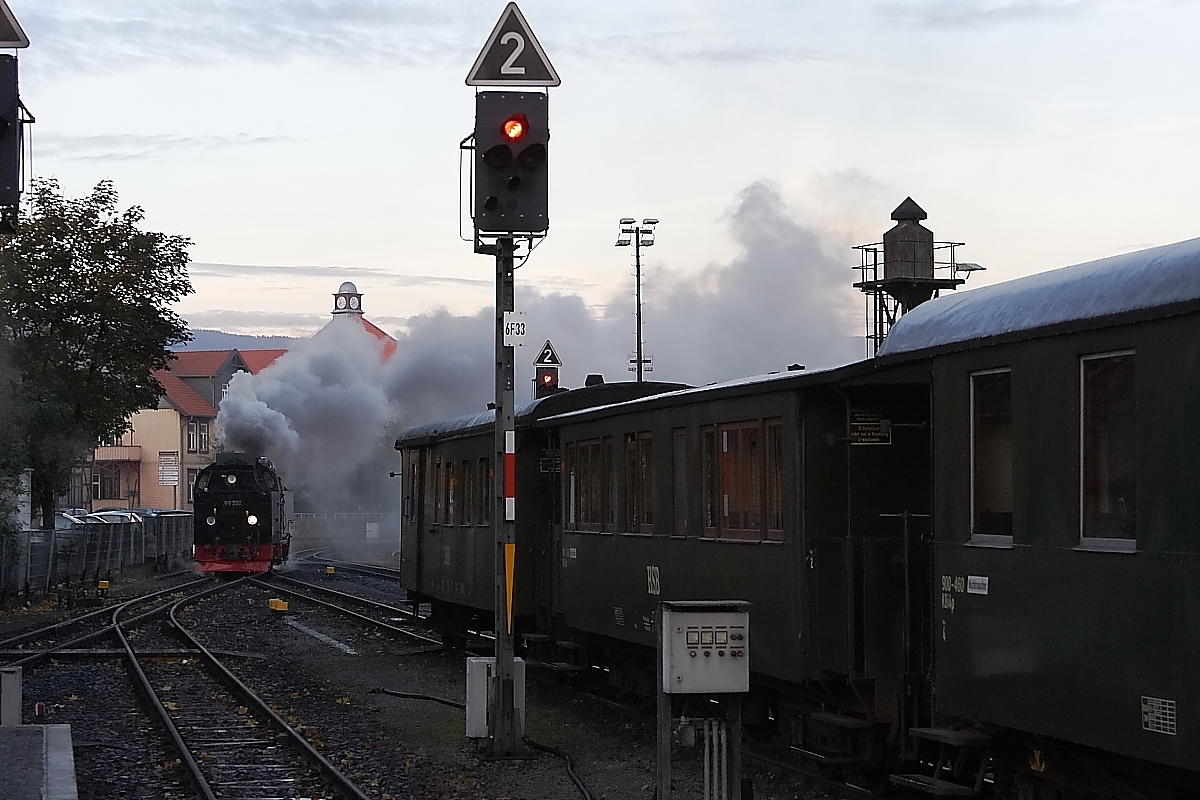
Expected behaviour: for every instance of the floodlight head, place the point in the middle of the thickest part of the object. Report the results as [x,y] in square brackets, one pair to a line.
[650,221]
[623,241]
[627,220]
[647,241]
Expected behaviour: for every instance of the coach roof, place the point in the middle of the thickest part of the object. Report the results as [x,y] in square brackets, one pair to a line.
[1158,282]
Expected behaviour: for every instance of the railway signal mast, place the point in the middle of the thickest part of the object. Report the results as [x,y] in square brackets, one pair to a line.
[13,117]
[510,202]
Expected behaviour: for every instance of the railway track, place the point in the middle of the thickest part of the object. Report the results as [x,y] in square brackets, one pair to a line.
[231,742]
[319,557]
[831,787]
[386,614]
[30,647]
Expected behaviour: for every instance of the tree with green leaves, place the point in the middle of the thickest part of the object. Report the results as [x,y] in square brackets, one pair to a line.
[85,316]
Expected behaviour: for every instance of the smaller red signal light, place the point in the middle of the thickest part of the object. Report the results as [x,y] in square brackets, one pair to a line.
[515,127]
[547,378]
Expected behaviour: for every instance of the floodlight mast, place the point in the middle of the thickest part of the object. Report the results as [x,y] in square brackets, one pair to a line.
[639,236]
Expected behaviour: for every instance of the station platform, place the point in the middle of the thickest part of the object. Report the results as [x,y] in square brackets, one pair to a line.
[36,762]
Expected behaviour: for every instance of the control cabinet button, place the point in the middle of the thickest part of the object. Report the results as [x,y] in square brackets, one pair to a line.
[721,652]
[707,654]
[692,653]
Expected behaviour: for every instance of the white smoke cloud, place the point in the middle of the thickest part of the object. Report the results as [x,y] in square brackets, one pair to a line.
[328,411]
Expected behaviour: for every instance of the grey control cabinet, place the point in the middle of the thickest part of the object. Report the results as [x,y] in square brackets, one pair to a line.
[705,651]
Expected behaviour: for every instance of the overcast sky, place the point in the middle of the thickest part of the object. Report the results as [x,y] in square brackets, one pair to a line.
[300,143]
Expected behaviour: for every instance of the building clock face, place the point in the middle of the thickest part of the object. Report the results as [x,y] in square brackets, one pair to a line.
[341,302]
[354,302]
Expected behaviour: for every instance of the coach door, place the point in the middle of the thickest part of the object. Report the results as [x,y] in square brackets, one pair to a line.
[412,513]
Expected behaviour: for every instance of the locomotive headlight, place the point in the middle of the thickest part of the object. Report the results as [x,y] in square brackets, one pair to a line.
[231,478]
[211,520]
[251,519]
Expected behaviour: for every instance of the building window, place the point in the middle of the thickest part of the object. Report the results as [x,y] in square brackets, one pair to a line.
[191,485]
[1108,442]
[193,437]
[991,454]
[639,482]
[203,437]
[487,496]
[742,478]
[106,482]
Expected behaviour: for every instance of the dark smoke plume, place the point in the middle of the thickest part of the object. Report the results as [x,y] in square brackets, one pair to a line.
[328,411]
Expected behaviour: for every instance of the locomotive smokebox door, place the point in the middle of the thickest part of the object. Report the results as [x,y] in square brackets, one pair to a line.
[706,647]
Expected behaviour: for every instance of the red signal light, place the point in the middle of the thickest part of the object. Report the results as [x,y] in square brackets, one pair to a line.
[547,378]
[515,127]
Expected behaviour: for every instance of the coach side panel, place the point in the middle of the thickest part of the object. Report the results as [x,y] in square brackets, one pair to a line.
[1068,557]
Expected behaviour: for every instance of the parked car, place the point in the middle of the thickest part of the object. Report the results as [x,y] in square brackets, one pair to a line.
[112,516]
[147,512]
[63,520]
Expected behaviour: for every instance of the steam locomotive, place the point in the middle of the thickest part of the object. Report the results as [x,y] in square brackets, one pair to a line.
[242,517]
[972,560]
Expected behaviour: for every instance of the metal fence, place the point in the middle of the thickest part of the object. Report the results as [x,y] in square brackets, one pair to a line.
[311,530]
[40,561]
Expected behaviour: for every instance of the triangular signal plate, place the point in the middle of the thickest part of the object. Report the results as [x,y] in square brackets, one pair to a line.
[512,56]
[547,357]
[11,34]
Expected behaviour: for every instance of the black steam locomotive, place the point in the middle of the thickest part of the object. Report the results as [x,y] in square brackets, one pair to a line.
[242,517]
[973,561]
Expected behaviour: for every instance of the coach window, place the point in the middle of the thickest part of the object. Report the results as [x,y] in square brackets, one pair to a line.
[774,480]
[486,495]
[451,491]
[709,481]
[639,482]
[1108,441]
[742,478]
[589,487]
[991,458]
[468,497]
[679,480]
[437,493]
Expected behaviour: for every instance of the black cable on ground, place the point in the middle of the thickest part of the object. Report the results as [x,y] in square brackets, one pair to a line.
[554,751]
[429,697]
[575,779]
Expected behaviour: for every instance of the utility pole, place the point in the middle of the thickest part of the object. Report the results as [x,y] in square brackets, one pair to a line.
[639,236]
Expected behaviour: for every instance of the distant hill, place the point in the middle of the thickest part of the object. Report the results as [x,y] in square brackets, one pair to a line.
[219,340]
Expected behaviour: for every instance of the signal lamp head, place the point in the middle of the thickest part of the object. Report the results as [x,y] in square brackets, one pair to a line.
[547,378]
[498,156]
[251,520]
[533,156]
[515,127]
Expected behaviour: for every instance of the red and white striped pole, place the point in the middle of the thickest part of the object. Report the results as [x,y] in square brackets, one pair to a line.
[510,476]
